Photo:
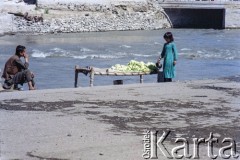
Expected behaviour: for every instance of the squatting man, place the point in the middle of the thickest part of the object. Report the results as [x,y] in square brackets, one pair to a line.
[16,71]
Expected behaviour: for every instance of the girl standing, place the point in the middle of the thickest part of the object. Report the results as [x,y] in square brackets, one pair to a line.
[169,54]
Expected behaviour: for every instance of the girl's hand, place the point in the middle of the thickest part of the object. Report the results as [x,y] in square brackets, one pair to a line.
[174,63]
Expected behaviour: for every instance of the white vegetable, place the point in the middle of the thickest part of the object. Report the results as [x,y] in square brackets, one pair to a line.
[135,66]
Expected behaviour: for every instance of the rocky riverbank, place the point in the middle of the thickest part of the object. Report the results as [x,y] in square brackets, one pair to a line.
[135,15]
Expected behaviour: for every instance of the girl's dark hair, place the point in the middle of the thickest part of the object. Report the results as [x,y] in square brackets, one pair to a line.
[19,49]
[168,35]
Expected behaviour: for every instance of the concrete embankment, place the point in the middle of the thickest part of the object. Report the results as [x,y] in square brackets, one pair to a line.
[108,122]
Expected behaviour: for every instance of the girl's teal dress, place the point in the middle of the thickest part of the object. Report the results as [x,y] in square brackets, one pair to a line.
[169,53]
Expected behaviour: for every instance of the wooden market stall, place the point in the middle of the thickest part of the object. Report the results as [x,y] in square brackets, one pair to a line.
[106,72]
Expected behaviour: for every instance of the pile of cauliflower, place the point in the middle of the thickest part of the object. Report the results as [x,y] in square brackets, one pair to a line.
[135,66]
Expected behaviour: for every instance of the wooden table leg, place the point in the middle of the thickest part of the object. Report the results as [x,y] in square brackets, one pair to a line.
[91,77]
[76,77]
[141,78]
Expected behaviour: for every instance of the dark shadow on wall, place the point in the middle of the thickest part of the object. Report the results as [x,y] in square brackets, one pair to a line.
[30,1]
[196,18]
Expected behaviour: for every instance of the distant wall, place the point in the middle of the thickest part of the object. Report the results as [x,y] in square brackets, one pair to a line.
[232,19]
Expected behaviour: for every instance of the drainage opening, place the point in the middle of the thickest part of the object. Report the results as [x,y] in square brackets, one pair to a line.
[196,18]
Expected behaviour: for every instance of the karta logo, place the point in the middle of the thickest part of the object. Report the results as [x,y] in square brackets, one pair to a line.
[154,146]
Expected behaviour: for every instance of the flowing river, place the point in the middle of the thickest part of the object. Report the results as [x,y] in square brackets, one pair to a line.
[203,54]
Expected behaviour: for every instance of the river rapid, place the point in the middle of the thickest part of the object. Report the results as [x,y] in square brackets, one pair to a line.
[203,54]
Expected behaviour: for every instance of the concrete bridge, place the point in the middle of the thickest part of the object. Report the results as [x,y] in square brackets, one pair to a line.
[217,14]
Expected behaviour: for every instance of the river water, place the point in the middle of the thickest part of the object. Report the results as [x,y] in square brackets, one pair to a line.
[203,54]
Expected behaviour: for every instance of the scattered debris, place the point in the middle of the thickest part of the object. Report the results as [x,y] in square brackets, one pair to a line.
[27,17]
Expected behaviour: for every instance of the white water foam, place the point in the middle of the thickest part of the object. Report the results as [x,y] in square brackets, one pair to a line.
[185,52]
[141,55]
[219,54]
[95,56]
[121,54]
[80,57]
[104,56]
[55,52]
[125,46]
[85,50]
[59,50]
[157,43]
[186,49]
[40,54]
